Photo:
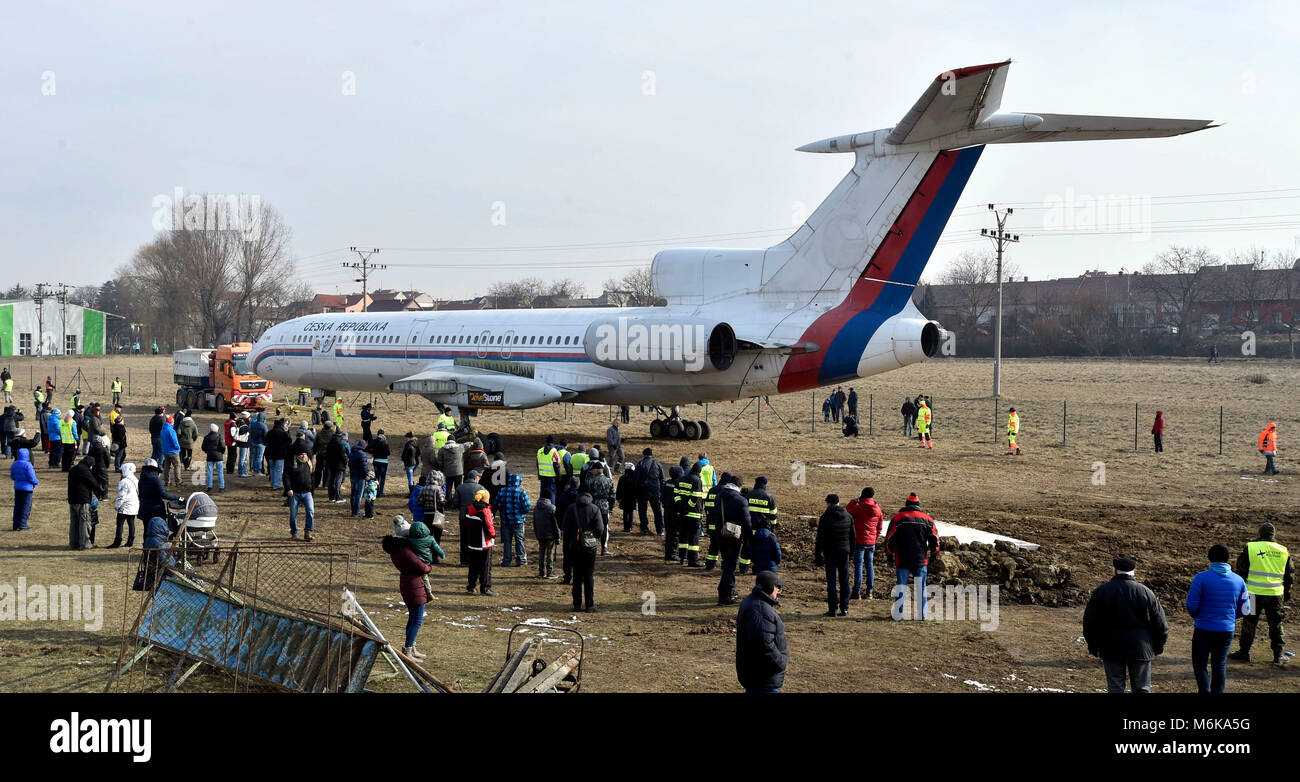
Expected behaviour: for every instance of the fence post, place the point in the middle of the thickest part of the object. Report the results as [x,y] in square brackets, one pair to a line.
[103,380]
[128,381]
[1135,427]
[871,415]
[760,411]
[1064,412]
[1220,430]
[814,411]
[995,419]
[155,383]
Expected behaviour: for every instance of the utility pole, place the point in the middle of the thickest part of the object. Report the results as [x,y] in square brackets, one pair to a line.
[365,266]
[39,298]
[1001,238]
[63,302]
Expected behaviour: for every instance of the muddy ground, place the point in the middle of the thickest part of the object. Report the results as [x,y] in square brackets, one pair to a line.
[1085,494]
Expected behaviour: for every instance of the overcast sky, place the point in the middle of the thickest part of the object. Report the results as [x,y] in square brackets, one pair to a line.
[631,126]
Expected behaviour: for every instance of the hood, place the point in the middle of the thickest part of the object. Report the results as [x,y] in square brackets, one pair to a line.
[128,470]
[1271,426]
[695,468]
[584,499]
[149,469]
[24,455]
[513,479]
[1220,567]
[156,527]
[674,472]
[418,530]
[169,426]
[56,413]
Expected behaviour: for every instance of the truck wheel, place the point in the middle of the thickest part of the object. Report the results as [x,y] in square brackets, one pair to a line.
[221,403]
[181,395]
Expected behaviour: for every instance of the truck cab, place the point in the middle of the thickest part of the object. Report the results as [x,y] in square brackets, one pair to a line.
[234,382]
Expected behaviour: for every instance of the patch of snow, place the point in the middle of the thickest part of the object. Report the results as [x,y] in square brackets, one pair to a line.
[980,685]
[843,466]
[949,676]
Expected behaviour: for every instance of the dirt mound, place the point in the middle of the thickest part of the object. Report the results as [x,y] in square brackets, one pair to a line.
[1027,577]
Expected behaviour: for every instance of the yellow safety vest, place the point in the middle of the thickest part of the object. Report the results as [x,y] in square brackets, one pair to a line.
[545,463]
[1267,567]
[440,438]
[67,430]
[923,419]
[447,421]
[578,460]
[707,477]
[9,384]
[117,386]
[1013,423]
[40,396]
[563,452]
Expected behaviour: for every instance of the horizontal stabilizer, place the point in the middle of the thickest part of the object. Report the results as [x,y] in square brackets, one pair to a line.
[954,101]
[1086,127]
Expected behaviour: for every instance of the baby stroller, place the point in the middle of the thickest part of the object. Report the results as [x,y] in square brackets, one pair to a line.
[198,529]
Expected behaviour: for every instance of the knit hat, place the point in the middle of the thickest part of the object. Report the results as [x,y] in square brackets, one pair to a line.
[401,527]
[629,466]
[1124,564]
[760,481]
[214,428]
[1266,531]
[913,498]
[550,439]
[832,499]
[647,452]
[766,580]
[1219,553]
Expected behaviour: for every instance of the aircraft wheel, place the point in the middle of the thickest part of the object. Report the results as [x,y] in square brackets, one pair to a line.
[657,428]
[492,443]
[675,428]
[691,430]
[706,431]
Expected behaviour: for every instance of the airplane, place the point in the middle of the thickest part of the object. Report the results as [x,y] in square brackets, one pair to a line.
[830,304]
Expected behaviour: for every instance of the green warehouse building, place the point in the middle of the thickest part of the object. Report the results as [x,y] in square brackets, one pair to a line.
[28,330]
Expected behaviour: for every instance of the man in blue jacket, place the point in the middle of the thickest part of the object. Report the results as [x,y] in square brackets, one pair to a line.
[170,446]
[1216,598]
[25,481]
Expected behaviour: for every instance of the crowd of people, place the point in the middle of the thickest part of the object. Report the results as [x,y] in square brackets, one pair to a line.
[585,492]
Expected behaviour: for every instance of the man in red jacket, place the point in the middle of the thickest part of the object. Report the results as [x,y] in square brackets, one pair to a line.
[867,518]
[912,538]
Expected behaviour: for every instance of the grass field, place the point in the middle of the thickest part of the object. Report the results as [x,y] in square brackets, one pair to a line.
[1166,510]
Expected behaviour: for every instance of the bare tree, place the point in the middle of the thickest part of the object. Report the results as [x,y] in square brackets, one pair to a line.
[1173,281]
[974,276]
[261,268]
[1284,284]
[515,293]
[637,285]
[1092,324]
[1246,285]
[568,288]
[18,292]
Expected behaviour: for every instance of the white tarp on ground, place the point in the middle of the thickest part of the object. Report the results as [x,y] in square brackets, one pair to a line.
[971,535]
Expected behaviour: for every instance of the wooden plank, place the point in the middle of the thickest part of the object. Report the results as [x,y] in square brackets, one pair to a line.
[554,673]
[523,672]
[499,682]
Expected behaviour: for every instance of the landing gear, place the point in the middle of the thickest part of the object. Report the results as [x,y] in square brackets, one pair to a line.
[674,427]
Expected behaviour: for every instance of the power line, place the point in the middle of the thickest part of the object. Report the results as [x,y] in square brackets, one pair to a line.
[1001,238]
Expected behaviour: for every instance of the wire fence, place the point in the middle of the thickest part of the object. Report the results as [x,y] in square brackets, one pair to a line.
[252,618]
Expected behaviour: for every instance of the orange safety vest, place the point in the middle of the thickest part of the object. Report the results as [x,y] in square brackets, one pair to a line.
[1268,438]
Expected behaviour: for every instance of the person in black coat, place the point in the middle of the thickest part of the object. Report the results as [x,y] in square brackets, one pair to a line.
[153,495]
[214,449]
[832,549]
[379,451]
[277,450]
[1124,624]
[567,497]
[733,508]
[155,434]
[761,655]
[336,465]
[581,521]
[84,487]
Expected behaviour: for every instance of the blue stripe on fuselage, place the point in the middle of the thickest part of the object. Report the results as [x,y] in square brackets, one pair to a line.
[844,352]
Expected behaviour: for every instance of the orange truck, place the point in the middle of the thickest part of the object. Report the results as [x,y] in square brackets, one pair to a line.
[218,379]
